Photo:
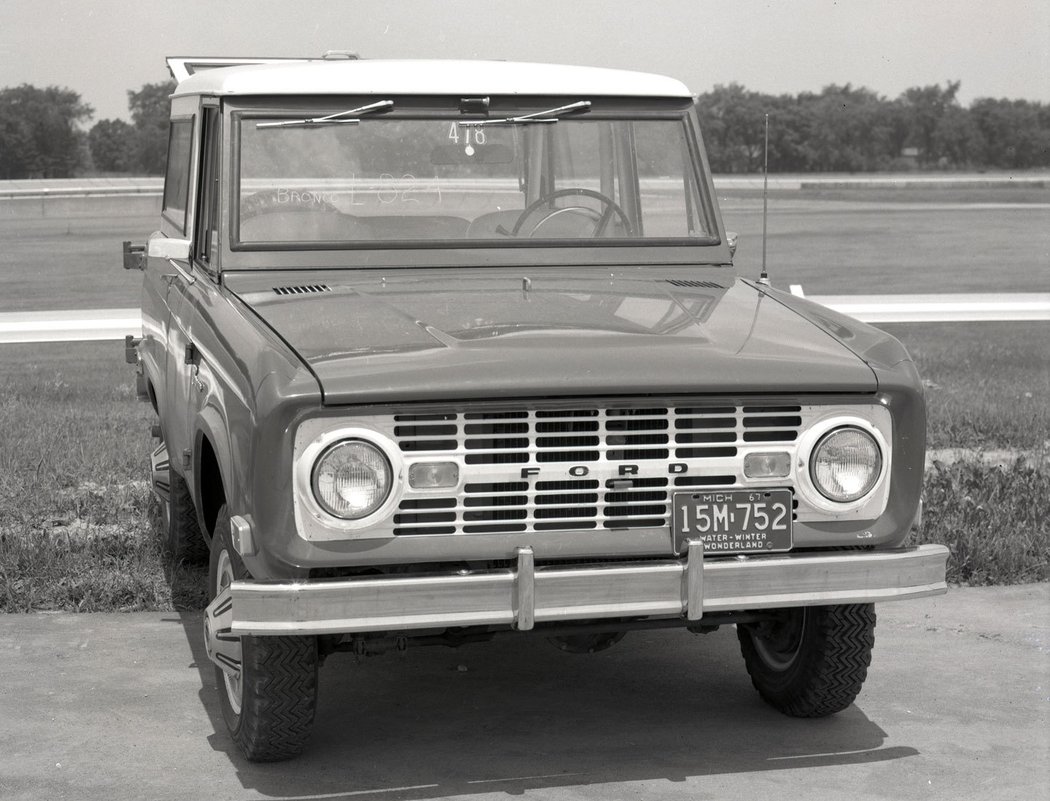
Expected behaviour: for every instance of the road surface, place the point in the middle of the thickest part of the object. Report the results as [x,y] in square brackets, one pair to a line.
[956,706]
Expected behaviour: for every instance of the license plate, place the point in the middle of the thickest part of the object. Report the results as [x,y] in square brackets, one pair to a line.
[734,521]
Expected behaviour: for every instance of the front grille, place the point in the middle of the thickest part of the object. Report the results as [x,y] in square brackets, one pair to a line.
[587,446]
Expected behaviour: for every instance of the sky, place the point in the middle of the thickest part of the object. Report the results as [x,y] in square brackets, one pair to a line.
[102,48]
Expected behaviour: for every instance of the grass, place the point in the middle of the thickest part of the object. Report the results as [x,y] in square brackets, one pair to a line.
[986,390]
[78,525]
[840,248]
[70,262]
[993,520]
[986,383]
[66,254]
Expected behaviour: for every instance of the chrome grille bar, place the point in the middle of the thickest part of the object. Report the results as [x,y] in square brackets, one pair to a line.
[649,436]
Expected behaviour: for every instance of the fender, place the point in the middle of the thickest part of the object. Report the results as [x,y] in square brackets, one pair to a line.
[150,373]
[211,423]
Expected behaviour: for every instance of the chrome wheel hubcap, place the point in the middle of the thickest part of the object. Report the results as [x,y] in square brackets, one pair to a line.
[233,682]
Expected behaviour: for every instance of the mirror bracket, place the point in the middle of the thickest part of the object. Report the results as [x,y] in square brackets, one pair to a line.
[134,256]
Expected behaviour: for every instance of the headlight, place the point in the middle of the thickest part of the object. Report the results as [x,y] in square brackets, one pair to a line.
[351,479]
[846,464]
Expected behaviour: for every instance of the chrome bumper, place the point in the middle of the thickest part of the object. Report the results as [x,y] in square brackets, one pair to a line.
[526,595]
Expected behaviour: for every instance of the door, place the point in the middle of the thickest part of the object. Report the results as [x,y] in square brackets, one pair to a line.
[183,299]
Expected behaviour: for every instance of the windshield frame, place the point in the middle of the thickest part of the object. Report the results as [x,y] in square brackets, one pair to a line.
[620,250]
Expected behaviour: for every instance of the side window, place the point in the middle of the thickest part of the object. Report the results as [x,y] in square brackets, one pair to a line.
[207,237]
[177,175]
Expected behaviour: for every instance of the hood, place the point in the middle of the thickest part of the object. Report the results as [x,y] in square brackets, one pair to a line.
[472,334]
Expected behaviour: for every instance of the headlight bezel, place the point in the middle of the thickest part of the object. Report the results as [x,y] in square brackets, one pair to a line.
[329,452]
[814,464]
[812,438]
[310,457]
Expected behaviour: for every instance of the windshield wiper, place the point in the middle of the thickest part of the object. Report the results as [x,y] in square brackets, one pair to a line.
[549,115]
[348,117]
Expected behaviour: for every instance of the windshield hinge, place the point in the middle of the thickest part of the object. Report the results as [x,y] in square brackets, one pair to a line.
[474,105]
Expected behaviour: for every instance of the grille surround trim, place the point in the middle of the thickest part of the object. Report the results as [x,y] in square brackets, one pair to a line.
[564,476]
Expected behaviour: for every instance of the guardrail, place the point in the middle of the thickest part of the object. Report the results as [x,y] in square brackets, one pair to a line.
[94,187]
[110,324]
[79,188]
[937,308]
[69,326]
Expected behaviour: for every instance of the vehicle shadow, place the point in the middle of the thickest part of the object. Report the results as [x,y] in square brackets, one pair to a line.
[517,715]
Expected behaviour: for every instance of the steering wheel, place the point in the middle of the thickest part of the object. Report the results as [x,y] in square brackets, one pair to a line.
[601,221]
[271,200]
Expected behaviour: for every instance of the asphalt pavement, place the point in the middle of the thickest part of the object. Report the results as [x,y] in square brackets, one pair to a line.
[123,706]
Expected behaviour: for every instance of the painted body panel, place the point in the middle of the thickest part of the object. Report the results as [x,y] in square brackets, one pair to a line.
[283,553]
[421,327]
[419,77]
[426,336]
[257,390]
[227,393]
[414,422]
[789,347]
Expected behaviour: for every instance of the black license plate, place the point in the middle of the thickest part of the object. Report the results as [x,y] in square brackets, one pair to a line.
[734,521]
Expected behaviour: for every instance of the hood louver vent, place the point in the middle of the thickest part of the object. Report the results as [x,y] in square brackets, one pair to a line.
[301,290]
[685,283]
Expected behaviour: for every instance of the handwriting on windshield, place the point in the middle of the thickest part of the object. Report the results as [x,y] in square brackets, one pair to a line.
[387,189]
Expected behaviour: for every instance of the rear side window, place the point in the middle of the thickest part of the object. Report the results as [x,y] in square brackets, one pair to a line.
[177,177]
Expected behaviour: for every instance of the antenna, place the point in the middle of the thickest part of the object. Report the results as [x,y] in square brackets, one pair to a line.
[764,277]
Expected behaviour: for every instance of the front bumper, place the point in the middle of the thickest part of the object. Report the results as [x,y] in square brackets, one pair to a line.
[528,594]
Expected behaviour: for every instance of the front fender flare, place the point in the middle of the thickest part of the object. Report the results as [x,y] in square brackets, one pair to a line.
[211,424]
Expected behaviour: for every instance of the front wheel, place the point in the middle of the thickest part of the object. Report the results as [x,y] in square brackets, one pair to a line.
[810,661]
[268,703]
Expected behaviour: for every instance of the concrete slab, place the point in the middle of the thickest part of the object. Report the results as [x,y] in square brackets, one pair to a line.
[957,705]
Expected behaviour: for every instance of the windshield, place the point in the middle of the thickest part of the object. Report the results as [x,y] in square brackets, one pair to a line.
[384,179]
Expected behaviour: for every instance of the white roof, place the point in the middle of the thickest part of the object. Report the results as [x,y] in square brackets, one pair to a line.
[390,77]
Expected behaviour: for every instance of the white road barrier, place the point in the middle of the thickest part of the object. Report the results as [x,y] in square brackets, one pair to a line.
[106,324]
[943,308]
[69,326]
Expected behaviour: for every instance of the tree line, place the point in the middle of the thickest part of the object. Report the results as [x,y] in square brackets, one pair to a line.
[44,133]
[847,129]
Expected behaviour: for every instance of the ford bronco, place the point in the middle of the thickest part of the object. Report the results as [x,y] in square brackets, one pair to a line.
[443,351]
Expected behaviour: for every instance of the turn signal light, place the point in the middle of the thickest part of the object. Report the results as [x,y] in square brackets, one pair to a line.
[433,475]
[776,464]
